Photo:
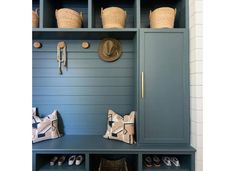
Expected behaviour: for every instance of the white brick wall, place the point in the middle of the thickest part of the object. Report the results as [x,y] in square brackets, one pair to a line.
[196,84]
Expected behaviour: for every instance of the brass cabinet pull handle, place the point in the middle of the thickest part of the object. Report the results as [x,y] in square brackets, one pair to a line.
[142,84]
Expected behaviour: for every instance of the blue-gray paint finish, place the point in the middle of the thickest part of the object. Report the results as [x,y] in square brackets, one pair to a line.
[89,87]
[164,110]
[98,144]
[82,33]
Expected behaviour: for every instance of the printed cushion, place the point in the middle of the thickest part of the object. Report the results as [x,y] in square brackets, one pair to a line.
[121,128]
[44,128]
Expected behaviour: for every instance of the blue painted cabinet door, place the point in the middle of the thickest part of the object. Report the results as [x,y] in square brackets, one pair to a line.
[164,85]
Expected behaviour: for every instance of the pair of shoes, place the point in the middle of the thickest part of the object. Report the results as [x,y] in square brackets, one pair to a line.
[55,159]
[169,160]
[78,160]
[152,161]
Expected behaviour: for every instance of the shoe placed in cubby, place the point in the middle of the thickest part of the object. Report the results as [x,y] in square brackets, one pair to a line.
[71,160]
[175,161]
[166,161]
[156,161]
[61,160]
[79,160]
[148,162]
[53,160]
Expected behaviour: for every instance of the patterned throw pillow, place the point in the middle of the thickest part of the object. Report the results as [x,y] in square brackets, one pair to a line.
[121,128]
[44,128]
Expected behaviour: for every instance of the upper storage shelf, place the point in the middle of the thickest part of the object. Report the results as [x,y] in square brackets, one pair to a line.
[128,5]
[49,7]
[179,5]
[137,11]
[35,4]
[36,8]
[85,34]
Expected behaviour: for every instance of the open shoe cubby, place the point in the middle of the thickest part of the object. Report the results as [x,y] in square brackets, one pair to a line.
[43,162]
[184,160]
[137,11]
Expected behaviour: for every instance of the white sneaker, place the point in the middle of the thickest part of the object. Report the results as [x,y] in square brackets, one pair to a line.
[79,160]
[167,161]
[175,161]
[71,160]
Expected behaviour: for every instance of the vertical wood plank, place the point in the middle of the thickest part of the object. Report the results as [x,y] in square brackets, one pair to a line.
[90,13]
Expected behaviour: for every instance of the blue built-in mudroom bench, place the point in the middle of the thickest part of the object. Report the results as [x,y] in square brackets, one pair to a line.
[95,147]
[151,77]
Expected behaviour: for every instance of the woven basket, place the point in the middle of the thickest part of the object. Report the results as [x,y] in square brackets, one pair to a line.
[113,17]
[68,18]
[162,17]
[114,165]
[35,19]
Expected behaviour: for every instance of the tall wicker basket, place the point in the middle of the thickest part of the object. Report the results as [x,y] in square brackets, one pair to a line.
[113,17]
[68,18]
[163,17]
[35,19]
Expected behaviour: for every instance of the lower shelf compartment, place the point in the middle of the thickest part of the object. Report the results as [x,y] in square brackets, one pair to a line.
[184,160]
[165,169]
[43,162]
[63,167]
[131,160]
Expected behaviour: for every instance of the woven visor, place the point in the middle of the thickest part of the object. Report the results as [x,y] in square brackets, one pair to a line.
[110,49]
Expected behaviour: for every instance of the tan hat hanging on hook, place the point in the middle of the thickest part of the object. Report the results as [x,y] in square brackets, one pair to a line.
[110,49]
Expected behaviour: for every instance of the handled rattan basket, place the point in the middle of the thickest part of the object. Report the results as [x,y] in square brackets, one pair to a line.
[35,19]
[68,18]
[163,17]
[113,17]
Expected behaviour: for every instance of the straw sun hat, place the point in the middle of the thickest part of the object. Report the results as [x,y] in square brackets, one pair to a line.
[110,49]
